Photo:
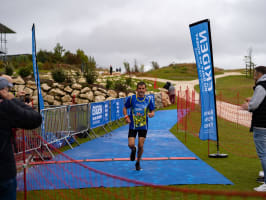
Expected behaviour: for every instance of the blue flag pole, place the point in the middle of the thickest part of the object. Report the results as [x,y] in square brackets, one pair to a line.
[202,46]
[36,71]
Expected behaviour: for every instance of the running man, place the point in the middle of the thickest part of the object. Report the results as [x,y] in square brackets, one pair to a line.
[141,107]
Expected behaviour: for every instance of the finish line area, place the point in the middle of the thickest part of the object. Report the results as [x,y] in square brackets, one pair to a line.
[166,161]
[112,159]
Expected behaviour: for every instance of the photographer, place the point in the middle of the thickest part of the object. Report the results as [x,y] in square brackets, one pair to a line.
[13,114]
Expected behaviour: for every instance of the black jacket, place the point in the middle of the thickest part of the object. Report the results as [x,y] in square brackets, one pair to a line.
[13,114]
[259,115]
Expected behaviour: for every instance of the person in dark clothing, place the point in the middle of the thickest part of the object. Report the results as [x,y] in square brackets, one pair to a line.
[257,105]
[13,114]
[111,70]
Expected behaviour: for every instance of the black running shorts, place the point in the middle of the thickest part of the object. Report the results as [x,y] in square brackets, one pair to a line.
[133,133]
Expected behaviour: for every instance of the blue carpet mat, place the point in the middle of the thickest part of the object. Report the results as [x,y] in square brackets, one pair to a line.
[159,143]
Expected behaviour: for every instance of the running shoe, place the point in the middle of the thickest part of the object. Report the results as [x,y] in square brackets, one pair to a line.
[138,168]
[260,179]
[133,154]
[261,188]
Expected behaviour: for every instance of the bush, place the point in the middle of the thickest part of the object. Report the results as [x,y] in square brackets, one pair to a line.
[119,85]
[109,84]
[9,70]
[90,76]
[129,81]
[25,71]
[59,75]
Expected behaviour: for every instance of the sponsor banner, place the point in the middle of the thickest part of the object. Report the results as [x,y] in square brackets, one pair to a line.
[201,41]
[97,114]
[116,109]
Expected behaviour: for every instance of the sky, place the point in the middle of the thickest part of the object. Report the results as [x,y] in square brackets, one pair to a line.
[115,31]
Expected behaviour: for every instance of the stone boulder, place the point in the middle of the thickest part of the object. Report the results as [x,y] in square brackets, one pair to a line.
[57,92]
[76,93]
[88,96]
[112,93]
[18,81]
[98,93]
[99,98]
[66,98]
[121,95]
[85,90]
[68,89]
[165,99]
[49,99]
[45,87]
[76,86]
[102,90]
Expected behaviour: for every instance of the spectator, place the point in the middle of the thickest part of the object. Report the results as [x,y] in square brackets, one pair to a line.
[257,105]
[171,93]
[111,70]
[13,114]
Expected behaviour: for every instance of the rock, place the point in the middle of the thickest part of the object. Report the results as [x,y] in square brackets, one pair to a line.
[99,98]
[28,91]
[61,86]
[109,98]
[58,98]
[19,88]
[31,85]
[68,89]
[165,99]
[85,90]
[49,99]
[57,91]
[102,90]
[94,89]
[88,96]
[76,86]
[57,103]
[121,94]
[45,87]
[112,93]
[66,98]
[55,85]
[98,93]
[18,81]
[82,80]
[76,93]
[130,94]
[81,101]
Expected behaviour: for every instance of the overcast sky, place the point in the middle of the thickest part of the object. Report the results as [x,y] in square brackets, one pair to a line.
[114,31]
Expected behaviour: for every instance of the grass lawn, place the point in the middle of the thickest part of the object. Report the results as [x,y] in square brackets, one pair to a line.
[230,86]
[185,71]
[241,166]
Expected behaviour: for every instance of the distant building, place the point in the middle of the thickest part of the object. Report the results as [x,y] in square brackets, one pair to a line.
[3,41]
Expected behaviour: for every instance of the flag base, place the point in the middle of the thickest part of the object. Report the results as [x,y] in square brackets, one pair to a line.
[218,155]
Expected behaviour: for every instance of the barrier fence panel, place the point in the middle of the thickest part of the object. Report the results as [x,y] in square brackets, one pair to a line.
[78,118]
[55,128]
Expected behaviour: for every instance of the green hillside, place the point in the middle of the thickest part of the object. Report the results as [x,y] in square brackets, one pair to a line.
[183,71]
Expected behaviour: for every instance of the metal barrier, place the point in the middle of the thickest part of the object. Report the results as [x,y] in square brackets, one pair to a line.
[55,128]
[78,119]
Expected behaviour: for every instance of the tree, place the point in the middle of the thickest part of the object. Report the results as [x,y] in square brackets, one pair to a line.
[82,56]
[58,52]
[142,68]
[90,70]
[127,67]
[155,65]
[249,63]
[136,67]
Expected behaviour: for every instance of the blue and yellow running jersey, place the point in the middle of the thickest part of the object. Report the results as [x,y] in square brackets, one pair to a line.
[139,108]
